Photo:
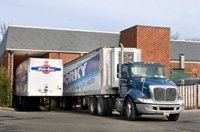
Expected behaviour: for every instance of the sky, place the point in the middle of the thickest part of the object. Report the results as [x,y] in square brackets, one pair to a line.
[182,16]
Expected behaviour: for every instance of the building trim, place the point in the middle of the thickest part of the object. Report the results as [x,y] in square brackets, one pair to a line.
[63,29]
[185,41]
[32,50]
[187,62]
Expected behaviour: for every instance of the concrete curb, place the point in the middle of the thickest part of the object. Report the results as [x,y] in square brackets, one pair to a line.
[191,110]
[6,109]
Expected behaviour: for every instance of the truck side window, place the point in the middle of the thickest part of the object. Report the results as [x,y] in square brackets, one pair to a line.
[125,73]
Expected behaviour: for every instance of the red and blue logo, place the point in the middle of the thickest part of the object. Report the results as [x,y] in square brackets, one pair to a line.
[46,68]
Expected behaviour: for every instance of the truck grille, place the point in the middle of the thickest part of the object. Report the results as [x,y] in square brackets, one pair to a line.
[162,94]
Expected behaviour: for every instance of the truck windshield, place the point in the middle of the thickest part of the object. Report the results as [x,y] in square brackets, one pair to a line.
[148,70]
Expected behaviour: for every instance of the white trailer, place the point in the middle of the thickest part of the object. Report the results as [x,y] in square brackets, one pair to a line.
[96,72]
[36,79]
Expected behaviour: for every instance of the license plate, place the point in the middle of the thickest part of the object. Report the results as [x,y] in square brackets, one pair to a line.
[166,113]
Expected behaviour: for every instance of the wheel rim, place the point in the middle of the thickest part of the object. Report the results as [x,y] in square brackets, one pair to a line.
[84,102]
[99,107]
[128,109]
[91,107]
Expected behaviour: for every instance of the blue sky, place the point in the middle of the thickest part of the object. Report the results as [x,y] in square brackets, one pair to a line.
[182,16]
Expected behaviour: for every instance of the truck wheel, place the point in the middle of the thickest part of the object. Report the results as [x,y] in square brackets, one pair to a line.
[109,106]
[130,110]
[93,106]
[101,106]
[173,117]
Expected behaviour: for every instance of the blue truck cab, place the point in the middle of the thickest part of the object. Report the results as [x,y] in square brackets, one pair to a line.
[146,89]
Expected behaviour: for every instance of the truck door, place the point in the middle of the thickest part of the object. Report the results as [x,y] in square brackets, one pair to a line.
[124,79]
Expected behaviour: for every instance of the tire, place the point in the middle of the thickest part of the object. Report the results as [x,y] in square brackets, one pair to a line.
[54,103]
[44,103]
[84,105]
[109,106]
[101,106]
[131,113]
[93,106]
[173,117]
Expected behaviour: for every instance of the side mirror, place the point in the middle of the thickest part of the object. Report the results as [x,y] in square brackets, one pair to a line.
[119,75]
[118,66]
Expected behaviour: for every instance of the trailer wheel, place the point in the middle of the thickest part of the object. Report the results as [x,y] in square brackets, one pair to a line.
[44,103]
[84,105]
[101,106]
[173,117]
[109,106]
[130,110]
[93,106]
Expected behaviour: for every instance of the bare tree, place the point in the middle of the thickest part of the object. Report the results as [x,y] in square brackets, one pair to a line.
[175,36]
[192,39]
[3,28]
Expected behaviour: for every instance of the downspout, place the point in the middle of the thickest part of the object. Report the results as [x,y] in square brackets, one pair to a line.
[11,76]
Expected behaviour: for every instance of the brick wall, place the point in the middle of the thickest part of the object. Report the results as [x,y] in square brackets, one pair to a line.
[128,37]
[190,67]
[7,62]
[153,41]
[67,57]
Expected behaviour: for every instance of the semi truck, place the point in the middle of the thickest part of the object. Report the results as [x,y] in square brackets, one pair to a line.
[115,79]
[38,81]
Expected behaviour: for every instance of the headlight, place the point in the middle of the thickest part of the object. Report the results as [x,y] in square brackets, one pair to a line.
[145,100]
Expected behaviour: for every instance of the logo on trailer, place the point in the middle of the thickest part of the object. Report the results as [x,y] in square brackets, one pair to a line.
[46,68]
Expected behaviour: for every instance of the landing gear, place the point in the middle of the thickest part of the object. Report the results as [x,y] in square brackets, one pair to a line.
[67,103]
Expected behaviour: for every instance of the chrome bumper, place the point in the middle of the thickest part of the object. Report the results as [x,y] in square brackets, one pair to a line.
[163,109]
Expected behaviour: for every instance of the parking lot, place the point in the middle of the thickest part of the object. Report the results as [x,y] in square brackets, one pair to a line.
[76,121]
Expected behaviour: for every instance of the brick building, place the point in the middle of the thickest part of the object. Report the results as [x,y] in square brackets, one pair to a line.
[191,52]
[20,43]
[153,41]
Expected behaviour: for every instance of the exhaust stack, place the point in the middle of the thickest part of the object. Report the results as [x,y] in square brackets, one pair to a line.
[182,61]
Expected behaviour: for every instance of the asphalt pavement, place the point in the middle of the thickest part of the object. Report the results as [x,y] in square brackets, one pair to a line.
[82,121]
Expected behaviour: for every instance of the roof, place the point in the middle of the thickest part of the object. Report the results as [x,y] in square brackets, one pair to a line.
[3,44]
[22,38]
[190,49]
[56,40]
